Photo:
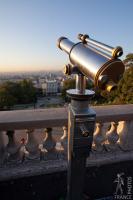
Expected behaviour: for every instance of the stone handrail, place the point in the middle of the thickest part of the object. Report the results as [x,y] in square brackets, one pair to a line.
[112,141]
[40,118]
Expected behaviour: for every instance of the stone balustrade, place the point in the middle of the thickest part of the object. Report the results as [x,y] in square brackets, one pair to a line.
[45,149]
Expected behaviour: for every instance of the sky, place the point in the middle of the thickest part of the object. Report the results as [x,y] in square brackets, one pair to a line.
[29,29]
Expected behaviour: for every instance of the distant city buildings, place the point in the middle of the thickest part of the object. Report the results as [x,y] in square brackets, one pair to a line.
[46,83]
[51,87]
[48,87]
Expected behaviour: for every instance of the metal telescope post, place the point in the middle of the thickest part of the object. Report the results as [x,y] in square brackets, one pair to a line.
[100,63]
[81,121]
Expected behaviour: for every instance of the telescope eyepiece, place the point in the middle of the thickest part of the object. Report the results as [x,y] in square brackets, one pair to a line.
[110,86]
[117,52]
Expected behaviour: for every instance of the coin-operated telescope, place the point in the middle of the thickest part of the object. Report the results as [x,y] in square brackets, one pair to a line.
[95,60]
[100,63]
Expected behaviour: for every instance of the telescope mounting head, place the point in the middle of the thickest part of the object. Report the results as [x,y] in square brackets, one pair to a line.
[94,60]
[80,92]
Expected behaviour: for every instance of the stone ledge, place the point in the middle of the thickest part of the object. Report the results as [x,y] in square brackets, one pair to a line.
[35,168]
[109,158]
[40,118]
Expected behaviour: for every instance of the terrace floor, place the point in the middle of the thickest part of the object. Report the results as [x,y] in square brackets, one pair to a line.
[99,184]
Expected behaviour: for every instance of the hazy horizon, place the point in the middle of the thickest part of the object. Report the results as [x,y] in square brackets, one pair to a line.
[30,29]
[21,69]
[33,71]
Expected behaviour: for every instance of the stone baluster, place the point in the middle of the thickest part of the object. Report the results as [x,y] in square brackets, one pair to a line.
[32,145]
[13,147]
[23,151]
[125,130]
[43,151]
[112,137]
[99,137]
[49,144]
[64,139]
[61,146]
[2,147]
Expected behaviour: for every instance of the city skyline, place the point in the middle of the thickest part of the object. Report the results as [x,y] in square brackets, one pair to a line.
[30,29]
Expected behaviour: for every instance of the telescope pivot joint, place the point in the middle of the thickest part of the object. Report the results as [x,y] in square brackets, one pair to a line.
[83,38]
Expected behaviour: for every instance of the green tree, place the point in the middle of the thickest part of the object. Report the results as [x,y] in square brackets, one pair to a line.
[28,92]
[68,84]
[124,92]
[16,93]
[13,89]
[7,100]
[128,61]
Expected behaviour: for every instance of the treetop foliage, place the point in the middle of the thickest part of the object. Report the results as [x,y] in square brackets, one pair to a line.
[12,93]
[128,61]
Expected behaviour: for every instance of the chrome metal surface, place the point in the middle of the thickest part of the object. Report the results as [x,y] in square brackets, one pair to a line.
[80,83]
[88,60]
[103,79]
[66,45]
[107,55]
[73,93]
[94,63]
[115,52]
[100,45]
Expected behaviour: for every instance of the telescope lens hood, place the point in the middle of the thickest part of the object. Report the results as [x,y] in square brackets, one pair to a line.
[59,41]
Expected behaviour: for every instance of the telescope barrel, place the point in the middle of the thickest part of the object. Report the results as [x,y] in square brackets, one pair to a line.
[100,45]
[104,69]
[64,44]
[115,52]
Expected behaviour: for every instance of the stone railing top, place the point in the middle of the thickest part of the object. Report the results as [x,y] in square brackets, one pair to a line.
[39,118]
